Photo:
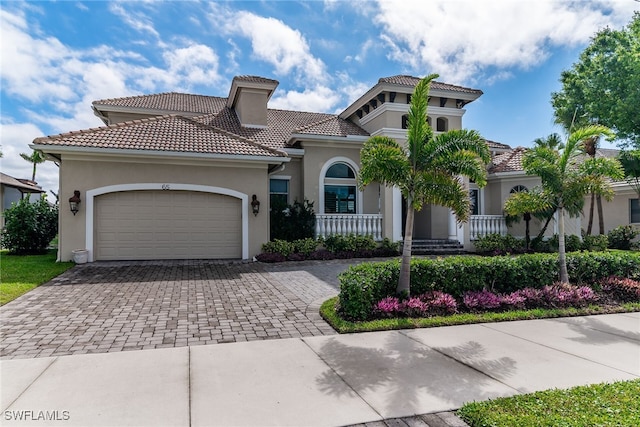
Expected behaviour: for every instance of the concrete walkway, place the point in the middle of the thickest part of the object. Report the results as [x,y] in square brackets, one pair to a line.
[322,380]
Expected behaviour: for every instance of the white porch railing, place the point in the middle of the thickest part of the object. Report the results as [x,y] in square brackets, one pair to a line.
[343,224]
[481,225]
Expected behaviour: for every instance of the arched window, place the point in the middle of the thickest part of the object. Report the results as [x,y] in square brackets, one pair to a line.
[442,124]
[340,191]
[519,189]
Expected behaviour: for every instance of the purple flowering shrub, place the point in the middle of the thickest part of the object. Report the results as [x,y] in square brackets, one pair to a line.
[433,303]
[481,300]
[565,295]
[622,288]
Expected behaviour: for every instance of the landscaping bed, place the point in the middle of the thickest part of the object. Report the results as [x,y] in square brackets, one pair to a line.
[467,289]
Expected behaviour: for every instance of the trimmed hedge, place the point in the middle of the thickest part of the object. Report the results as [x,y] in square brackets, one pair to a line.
[363,285]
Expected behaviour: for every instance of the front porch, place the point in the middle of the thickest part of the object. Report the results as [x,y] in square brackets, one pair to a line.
[372,225]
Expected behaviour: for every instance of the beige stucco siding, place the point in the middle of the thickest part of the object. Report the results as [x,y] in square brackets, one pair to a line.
[91,173]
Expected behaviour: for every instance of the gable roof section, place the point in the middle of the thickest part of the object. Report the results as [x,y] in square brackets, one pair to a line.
[281,124]
[511,161]
[168,102]
[410,81]
[25,186]
[171,133]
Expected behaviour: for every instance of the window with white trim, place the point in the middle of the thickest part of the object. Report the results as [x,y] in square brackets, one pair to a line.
[340,192]
[278,192]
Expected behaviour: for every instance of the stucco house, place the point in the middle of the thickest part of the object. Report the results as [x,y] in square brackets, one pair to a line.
[177,176]
[12,190]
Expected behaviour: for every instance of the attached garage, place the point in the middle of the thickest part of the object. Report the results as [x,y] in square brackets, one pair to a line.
[176,224]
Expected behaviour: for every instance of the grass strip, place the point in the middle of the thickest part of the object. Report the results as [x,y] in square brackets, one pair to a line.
[607,404]
[329,313]
[21,273]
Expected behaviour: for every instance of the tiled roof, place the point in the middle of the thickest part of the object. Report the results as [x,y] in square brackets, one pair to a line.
[281,124]
[255,79]
[497,145]
[23,185]
[411,81]
[169,101]
[171,133]
[510,161]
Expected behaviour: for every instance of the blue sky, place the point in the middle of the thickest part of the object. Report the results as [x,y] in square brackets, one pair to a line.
[58,57]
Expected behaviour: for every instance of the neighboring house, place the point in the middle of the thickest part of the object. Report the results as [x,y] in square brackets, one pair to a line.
[173,175]
[12,190]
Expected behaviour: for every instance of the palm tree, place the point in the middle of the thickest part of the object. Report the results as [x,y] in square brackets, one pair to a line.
[526,204]
[427,170]
[553,141]
[566,182]
[36,158]
[590,148]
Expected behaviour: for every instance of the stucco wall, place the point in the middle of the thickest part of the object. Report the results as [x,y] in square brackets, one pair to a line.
[84,174]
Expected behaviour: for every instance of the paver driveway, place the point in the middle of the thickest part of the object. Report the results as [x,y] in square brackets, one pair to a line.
[116,306]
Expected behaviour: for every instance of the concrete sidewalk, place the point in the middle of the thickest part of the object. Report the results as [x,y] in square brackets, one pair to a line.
[325,380]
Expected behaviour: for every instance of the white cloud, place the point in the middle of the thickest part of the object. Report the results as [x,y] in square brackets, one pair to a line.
[461,39]
[273,42]
[319,98]
[135,20]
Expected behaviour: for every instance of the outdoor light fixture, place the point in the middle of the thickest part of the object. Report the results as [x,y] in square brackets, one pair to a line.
[255,205]
[74,202]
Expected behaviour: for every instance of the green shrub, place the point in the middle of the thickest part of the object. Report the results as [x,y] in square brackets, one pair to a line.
[350,243]
[621,237]
[29,227]
[278,246]
[305,246]
[572,243]
[498,244]
[363,285]
[598,242]
[292,222]
[388,247]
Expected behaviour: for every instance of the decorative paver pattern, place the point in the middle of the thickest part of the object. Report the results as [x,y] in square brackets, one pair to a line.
[119,306]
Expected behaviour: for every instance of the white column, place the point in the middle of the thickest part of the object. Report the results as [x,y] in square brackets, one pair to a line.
[453,227]
[397,214]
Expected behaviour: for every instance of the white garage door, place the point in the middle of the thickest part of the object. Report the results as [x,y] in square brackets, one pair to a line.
[133,225]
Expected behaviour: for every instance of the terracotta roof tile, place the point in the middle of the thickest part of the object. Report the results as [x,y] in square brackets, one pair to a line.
[24,185]
[166,133]
[281,124]
[497,145]
[411,81]
[169,101]
[511,161]
[255,79]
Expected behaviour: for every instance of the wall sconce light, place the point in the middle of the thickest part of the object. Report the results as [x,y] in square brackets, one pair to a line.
[255,205]
[74,202]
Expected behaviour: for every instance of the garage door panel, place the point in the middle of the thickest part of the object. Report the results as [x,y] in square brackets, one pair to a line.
[167,225]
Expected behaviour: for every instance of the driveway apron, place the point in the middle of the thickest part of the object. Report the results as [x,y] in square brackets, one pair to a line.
[117,306]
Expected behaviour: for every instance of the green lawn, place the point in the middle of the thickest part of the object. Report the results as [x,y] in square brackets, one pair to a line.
[616,404]
[21,273]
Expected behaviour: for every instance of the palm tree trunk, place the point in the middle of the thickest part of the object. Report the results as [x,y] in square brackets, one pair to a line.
[527,238]
[590,224]
[544,228]
[404,281]
[600,214]
[562,255]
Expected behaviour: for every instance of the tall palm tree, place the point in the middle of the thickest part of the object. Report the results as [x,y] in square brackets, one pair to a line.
[590,148]
[427,170]
[566,182]
[36,158]
[553,141]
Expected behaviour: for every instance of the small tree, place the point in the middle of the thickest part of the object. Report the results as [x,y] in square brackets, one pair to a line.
[428,170]
[566,182]
[292,222]
[29,226]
